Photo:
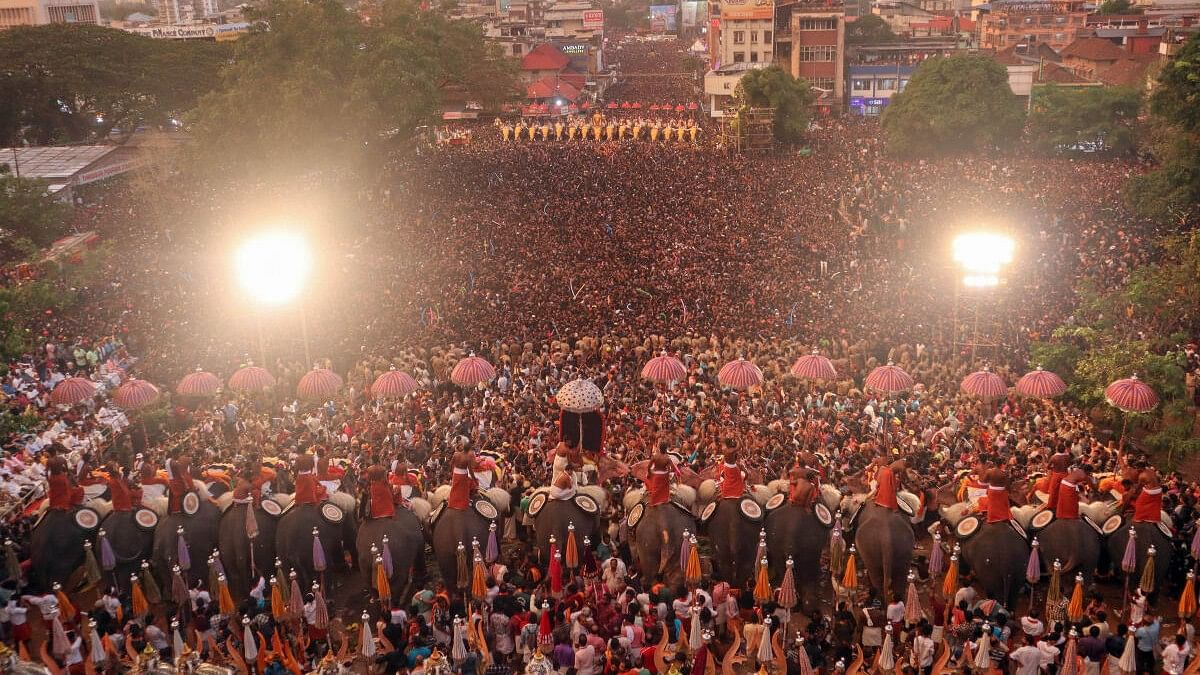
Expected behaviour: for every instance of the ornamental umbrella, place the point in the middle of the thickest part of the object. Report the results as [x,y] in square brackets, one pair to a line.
[1131,395]
[985,385]
[837,548]
[950,583]
[366,641]
[199,383]
[740,374]
[654,106]
[386,553]
[478,579]
[625,105]
[889,379]
[176,639]
[58,643]
[580,396]
[983,657]
[636,105]
[1075,608]
[1187,599]
[382,586]
[1195,547]
[1128,661]
[802,661]
[135,394]
[318,550]
[679,108]
[814,367]
[394,384]
[224,598]
[251,378]
[458,642]
[492,552]
[1041,384]
[612,105]
[787,589]
[886,661]
[1054,597]
[762,583]
[556,573]
[95,644]
[461,573]
[249,646]
[850,578]
[692,571]
[150,585]
[694,106]
[472,371]
[318,384]
[295,600]
[72,390]
[1147,583]
[695,639]
[912,601]
[1071,656]
[278,606]
[91,568]
[764,653]
[1033,570]
[664,369]
[936,556]
[138,597]
[179,589]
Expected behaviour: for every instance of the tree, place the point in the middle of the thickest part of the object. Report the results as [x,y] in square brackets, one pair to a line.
[77,82]
[953,104]
[28,212]
[320,88]
[1065,120]
[1172,191]
[775,88]
[1118,7]
[869,29]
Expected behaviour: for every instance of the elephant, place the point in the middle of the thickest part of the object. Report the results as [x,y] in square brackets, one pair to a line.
[885,540]
[734,540]
[240,563]
[1148,534]
[56,547]
[997,553]
[199,535]
[297,533]
[796,532]
[452,527]
[1072,542]
[659,526]
[553,517]
[406,545]
[130,541]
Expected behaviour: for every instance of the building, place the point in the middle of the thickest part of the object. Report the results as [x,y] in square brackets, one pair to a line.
[67,168]
[1003,23]
[573,20]
[177,12]
[42,12]
[816,45]
[1089,56]
[720,85]
[743,31]
[873,87]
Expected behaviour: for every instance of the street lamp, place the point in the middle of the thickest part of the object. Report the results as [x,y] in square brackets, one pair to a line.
[272,268]
[981,255]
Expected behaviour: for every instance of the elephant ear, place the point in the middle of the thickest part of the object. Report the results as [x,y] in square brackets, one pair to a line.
[238,662]
[660,652]
[732,658]
[939,664]
[51,664]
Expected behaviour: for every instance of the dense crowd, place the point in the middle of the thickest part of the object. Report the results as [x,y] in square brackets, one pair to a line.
[579,260]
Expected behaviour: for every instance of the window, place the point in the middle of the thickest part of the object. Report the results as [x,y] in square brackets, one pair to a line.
[1060,37]
[739,57]
[753,37]
[753,57]
[886,83]
[817,53]
[825,83]
[739,37]
[860,85]
[818,24]
[903,84]
[516,50]
[766,37]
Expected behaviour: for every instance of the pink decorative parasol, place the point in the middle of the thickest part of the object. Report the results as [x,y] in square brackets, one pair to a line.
[1041,384]
[814,367]
[889,379]
[664,369]
[1131,395]
[199,383]
[135,394]
[318,383]
[740,374]
[472,371]
[72,390]
[251,378]
[985,384]
[394,384]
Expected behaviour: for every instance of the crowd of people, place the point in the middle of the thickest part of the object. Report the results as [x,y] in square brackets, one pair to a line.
[580,261]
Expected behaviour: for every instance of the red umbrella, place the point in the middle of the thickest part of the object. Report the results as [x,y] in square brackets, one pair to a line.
[692,106]
[198,383]
[664,369]
[135,394]
[394,384]
[679,108]
[251,378]
[1041,384]
[1131,395]
[985,384]
[814,367]
[654,106]
[637,106]
[72,390]
[740,374]
[585,105]
[625,105]
[889,379]
[471,371]
[318,383]
[612,105]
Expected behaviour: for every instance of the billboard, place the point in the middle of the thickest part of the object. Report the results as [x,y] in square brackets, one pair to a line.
[663,18]
[747,9]
[694,13]
[593,19]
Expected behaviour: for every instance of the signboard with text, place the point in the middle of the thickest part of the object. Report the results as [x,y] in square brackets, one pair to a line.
[664,18]
[593,19]
[747,9]
[194,32]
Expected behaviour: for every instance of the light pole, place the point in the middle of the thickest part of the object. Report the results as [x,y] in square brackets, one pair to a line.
[982,256]
[272,268]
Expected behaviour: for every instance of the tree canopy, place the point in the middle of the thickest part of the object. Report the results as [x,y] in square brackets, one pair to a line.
[869,29]
[64,83]
[775,88]
[953,104]
[28,212]
[320,87]
[1084,119]
[1118,7]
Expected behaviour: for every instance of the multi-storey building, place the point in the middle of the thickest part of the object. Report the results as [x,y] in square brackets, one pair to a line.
[815,45]
[41,12]
[1008,22]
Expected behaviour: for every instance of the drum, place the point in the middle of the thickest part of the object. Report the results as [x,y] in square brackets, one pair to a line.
[1018,529]
[485,508]
[536,503]
[1092,524]
[910,504]
[145,519]
[588,504]
[1111,524]
[635,514]
[750,509]
[331,513]
[87,518]
[776,501]
[967,527]
[191,503]
[708,512]
[1040,520]
[272,507]
[1165,526]
[823,514]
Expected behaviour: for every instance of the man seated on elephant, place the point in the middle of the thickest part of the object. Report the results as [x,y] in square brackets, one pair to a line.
[123,497]
[803,486]
[733,479]
[404,483]
[153,485]
[462,481]
[658,477]
[1147,498]
[379,492]
[567,460]
[1059,463]
[64,495]
[999,508]
[308,489]
[329,475]
[179,482]
[887,481]
[1069,489]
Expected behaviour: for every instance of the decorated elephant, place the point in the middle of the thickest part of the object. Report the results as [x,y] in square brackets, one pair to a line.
[57,542]
[884,539]
[452,528]
[1075,542]
[1147,535]
[997,554]
[311,538]
[128,536]
[244,557]
[554,517]
[733,526]
[403,536]
[658,532]
[191,533]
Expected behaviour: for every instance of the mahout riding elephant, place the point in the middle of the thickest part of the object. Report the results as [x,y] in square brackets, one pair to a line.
[554,518]
[658,533]
[405,536]
[199,535]
[307,530]
[884,539]
[56,544]
[996,553]
[130,536]
[800,533]
[241,564]
[1148,534]
[1074,542]
[454,527]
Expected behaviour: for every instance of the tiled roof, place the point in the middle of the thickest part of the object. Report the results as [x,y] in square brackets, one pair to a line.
[1093,49]
[1126,73]
[551,87]
[544,57]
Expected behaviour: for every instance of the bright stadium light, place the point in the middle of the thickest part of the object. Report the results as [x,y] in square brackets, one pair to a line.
[982,255]
[273,266]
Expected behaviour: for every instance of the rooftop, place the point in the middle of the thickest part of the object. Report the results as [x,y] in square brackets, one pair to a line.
[1093,49]
[544,57]
[54,163]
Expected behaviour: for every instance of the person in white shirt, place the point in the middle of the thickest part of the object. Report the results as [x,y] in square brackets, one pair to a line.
[923,649]
[585,657]
[1027,657]
[1031,625]
[1049,650]
[1175,655]
[614,575]
[74,649]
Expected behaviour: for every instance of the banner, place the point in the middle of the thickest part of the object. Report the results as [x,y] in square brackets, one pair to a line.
[664,18]
[593,19]
[747,9]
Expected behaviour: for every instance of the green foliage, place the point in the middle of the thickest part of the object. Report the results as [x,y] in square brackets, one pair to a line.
[1118,7]
[114,9]
[13,423]
[1069,119]
[953,105]
[57,80]
[1172,191]
[869,29]
[775,88]
[320,87]
[28,212]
